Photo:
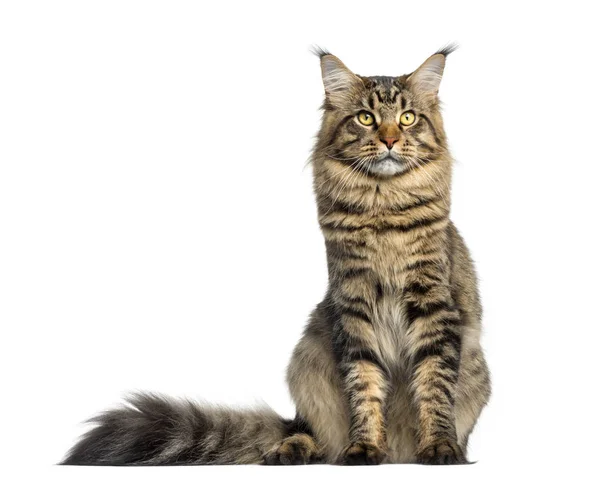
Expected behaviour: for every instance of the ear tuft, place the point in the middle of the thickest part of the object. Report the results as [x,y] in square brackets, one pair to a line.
[318,51]
[448,49]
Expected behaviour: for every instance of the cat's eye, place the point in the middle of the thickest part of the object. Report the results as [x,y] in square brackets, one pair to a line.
[366,118]
[407,118]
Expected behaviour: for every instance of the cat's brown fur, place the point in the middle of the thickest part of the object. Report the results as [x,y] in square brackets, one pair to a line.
[389,367]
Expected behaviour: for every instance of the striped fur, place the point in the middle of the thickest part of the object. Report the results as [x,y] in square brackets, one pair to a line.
[152,430]
[389,368]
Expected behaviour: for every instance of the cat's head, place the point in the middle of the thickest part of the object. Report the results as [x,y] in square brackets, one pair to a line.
[382,125]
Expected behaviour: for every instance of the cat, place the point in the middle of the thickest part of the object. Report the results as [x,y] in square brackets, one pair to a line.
[389,367]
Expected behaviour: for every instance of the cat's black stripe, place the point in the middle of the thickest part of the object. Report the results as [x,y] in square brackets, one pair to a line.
[343,245]
[371,101]
[433,130]
[421,202]
[349,143]
[364,355]
[427,351]
[415,311]
[419,264]
[354,300]
[340,206]
[421,223]
[418,288]
[354,272]
[355,313]
[338,128]
[425,146]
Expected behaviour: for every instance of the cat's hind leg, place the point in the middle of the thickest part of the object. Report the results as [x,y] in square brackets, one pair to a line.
[316,388]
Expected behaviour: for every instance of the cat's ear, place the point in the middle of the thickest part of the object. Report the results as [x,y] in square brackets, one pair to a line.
[339,82]
[427,78]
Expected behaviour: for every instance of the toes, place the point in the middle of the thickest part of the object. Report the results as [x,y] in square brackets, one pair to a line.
[287,454]
[442,453]
[270,459]
[362,454]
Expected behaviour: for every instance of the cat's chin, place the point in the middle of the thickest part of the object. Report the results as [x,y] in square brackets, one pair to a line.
[387,167]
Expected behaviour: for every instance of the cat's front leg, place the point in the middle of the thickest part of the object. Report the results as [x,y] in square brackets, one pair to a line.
[365,385]
[435,338]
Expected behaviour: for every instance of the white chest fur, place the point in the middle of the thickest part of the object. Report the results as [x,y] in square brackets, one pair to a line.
[390,328]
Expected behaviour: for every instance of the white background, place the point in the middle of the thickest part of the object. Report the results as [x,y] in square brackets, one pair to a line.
[158,229]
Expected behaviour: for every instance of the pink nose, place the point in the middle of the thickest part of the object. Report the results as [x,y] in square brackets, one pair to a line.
[389,141]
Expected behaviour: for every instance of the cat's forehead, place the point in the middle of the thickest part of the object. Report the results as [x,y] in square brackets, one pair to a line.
[385,90]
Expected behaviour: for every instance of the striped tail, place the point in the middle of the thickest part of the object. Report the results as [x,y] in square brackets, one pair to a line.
[151,430]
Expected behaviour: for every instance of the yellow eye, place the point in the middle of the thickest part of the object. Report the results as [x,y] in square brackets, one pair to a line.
[407,118]
[366,118]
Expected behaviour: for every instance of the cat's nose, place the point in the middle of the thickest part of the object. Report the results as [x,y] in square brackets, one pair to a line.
[389,141]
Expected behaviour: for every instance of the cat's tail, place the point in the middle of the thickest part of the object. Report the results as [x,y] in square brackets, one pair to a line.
[152,430]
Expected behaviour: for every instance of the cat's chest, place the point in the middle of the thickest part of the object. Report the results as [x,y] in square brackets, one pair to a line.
[389,254]
[390,327]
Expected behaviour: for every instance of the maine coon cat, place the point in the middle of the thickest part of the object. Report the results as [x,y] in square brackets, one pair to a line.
[389,367]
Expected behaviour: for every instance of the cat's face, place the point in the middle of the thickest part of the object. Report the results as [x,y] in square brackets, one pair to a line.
[383,126]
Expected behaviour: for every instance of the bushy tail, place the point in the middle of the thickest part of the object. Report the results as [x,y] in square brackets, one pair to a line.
[152,430]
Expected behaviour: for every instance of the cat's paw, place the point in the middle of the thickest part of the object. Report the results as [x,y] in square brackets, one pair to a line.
[293,451]
[442,452]
[362,454]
